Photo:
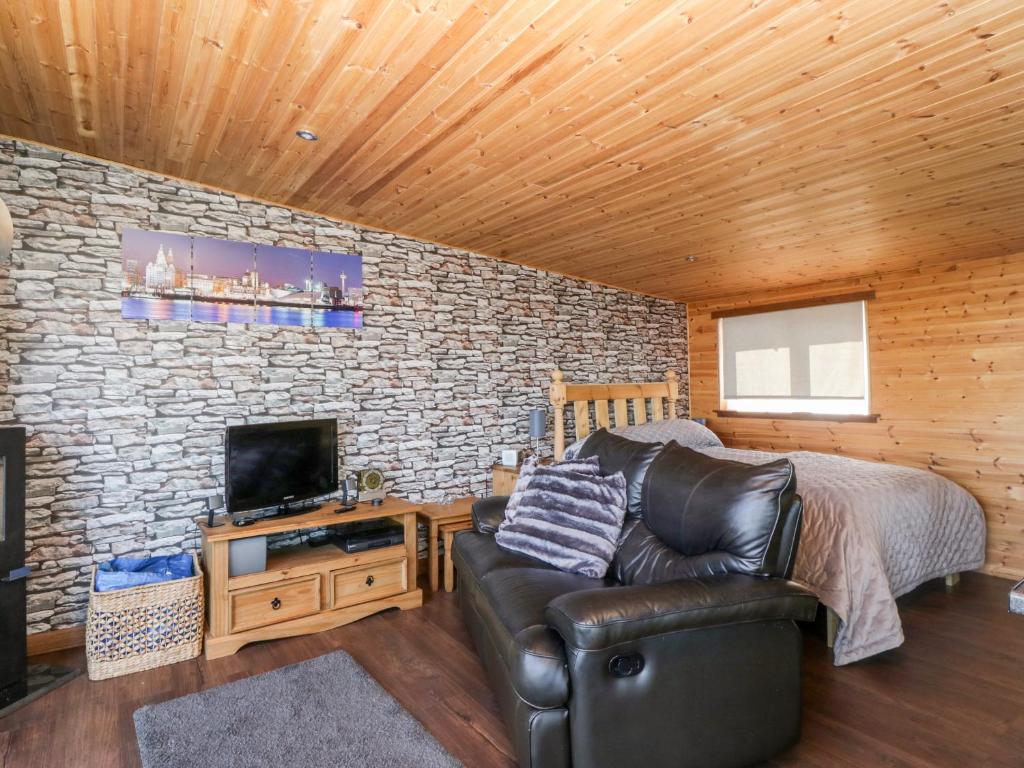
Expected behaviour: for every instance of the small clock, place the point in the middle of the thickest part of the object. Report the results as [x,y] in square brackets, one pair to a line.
[371,485]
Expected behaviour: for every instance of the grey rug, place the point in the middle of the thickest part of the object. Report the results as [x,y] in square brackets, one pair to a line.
[323,712]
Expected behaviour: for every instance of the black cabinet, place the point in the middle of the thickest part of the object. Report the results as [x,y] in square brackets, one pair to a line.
[13,668]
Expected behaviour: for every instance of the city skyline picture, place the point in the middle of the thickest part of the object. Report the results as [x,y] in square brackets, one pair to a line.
[170,276]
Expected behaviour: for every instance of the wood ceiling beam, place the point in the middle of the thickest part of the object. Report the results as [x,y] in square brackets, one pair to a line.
[775,141]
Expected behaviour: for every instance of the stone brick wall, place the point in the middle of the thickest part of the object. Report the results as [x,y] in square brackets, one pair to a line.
[126,418]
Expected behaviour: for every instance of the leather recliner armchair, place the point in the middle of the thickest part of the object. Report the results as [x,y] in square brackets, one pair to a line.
[685,655]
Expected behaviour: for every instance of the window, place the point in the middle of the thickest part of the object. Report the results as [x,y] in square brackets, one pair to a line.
[811,359]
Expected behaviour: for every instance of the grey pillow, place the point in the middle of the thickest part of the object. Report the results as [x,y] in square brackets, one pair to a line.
[569,520]
[589,466]
[686,432]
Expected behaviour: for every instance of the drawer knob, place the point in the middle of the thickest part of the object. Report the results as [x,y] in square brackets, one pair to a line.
[369,581]
[275,603]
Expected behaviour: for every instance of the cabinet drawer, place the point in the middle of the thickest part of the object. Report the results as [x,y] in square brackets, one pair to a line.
[273,603]
[360,585]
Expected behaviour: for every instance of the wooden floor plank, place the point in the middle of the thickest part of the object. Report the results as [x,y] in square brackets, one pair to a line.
[952,695]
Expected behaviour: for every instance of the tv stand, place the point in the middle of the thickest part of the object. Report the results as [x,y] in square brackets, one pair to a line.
[305,590]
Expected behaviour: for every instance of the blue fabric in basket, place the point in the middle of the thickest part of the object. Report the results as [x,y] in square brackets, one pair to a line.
[125,572]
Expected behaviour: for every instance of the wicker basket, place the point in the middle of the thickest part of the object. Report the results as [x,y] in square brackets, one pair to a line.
[129,630]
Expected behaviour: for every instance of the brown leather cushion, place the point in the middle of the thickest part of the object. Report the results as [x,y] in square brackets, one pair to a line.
[618,454]
[643,558]
[698,504]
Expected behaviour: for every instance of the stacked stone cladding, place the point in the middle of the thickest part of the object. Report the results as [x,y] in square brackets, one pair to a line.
[126,418]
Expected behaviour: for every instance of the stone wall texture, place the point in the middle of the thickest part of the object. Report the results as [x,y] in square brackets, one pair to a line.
[126,418]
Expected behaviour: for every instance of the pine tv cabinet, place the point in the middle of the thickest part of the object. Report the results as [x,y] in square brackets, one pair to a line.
[305,589]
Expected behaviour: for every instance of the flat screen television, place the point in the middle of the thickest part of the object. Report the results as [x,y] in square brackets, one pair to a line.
[268,465]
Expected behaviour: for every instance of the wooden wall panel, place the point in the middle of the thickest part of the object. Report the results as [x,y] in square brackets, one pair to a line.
[947,378]
[687,149]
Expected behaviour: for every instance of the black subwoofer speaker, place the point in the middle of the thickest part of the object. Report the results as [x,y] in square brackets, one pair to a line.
[13,664]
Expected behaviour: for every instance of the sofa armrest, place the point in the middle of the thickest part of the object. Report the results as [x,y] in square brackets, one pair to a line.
[594,619]
[488,513]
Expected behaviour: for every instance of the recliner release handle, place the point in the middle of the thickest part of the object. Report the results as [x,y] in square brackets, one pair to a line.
[626,666]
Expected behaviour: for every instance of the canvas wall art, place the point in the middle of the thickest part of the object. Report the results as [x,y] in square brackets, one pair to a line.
[287,298]
[170,276]
[223,281]
[155,267]
[337,283]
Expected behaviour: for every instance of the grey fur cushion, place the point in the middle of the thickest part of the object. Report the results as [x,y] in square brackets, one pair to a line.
[588,466]
[569,520]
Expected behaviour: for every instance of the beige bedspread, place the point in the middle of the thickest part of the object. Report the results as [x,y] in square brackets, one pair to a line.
[871,533]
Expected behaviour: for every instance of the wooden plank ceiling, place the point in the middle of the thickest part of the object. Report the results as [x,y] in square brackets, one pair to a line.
[682,149]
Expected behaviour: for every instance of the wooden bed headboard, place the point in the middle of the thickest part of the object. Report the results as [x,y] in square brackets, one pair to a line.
[603,401]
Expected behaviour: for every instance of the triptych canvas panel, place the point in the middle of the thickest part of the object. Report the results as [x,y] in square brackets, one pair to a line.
[170,276]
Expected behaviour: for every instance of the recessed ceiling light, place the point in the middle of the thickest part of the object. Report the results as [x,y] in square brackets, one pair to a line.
[691,259]
[307,135]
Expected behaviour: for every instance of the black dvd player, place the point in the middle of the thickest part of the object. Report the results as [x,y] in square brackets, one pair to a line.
[367,534]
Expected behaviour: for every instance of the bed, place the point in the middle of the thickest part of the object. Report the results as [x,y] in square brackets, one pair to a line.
[872,531]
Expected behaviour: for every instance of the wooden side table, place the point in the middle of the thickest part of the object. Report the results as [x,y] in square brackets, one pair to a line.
[435,516]
[503,479]
[448,531]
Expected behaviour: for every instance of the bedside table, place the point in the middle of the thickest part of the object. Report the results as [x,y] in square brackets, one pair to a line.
[503,479]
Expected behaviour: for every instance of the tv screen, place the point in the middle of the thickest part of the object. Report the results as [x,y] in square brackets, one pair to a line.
[268,465]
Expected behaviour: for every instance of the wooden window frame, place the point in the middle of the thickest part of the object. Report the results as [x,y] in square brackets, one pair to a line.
[800,416]
[822,301]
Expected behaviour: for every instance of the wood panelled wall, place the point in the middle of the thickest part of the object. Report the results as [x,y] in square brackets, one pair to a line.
[947,378]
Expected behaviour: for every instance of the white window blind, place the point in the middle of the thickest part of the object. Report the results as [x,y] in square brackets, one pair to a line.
[812,359]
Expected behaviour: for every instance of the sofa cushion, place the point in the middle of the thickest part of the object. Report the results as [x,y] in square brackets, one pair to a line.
[643,558]
[588,466]
[618,454]
[697,505]
[510,592]
[479,554]
[569,520]
[520,595]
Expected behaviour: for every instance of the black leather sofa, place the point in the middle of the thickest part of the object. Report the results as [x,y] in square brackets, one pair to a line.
[685,655]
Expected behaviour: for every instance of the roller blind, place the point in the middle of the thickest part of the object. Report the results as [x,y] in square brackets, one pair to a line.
[789,359]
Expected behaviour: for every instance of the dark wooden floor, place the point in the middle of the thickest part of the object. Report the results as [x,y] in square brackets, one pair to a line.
[953,695]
